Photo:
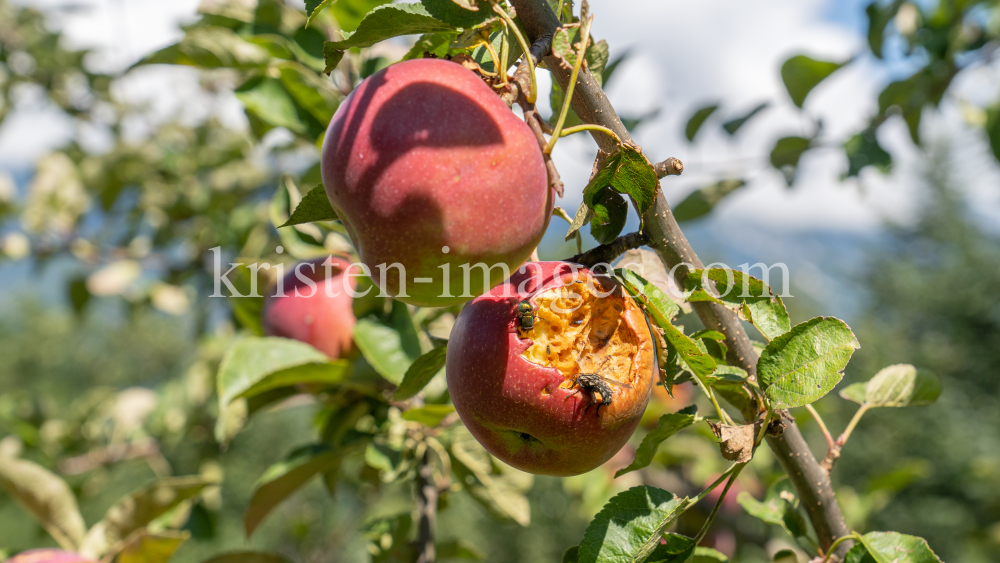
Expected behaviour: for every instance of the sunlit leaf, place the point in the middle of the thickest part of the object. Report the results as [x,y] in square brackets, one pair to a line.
[700,202]
[891,547]
[667,426]
[389,348]
[748,296]
[282,479]
[47,497]
[315,206]
[501,494]
[902,385]
[629,527]
[392,20]
[251,360]
[428,415]
[627,172]
[802,365]
[420,373]
[143,546]
[451,13]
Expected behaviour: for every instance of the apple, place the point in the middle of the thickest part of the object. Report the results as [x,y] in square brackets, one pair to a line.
[320,314]
[428,170]
[516,390]
[48,555]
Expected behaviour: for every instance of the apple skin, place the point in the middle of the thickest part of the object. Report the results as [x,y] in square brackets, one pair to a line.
[503,398]
[424,155]
[48,555]
[313,316]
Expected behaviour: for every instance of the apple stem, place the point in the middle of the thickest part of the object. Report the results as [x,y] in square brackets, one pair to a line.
[584,38]
[533,88]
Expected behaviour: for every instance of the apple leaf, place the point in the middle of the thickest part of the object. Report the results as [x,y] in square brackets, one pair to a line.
[891,547]
[801,74]
[746,295]
[700,202]
[863,150]
[779,507]
[677,549]
[458,549]
[697,119]
[284,478]
[420,373]
[428,415]
[451,13]
[667,426]
[143,546]
[47,497]
[501,494]
[315,206]
[134,512]
[331,57]
[583,216]
[805,363]
[610,211]
[993,129]
[390,348]
[252,360]
[734,125]
[900,385]
[655,300]
[786,154]
[627,172]
[248,557]
[630,525]
[314,7]
[269,100]
[211,47]
[311,93]
[392,20]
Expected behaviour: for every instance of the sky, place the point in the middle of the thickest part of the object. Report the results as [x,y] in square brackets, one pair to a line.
[683,55]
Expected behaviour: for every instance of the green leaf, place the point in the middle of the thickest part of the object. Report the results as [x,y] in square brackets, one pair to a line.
[801,74]
[571,555]
[315,206]
[902,385]
[667,426]
[700,202]
[428,415]
[420,373]
[805,363]
[678,549]
[863,150]
[502,494]
[993,129]
[268,100]
[786,154]
[47,497]
[891,547]
[733,125]
[311,93]
[630,525]
[248,557]
[629,173]
[283,479]
[389,349]
[779,507]
[748,296]
[251,360]
[144,546]
[855,392]
[436,44]
[392,20]
[451,13]
[458,549]
[596,59]
[879,17]
[697,119]
[332,56]
[654,300]
[610,212]
[583,216]
[708,555]
[134,512]
[314,7]
[211,47]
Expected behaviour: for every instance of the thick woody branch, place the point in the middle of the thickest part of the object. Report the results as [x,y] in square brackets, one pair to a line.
[606,253]
[665,237]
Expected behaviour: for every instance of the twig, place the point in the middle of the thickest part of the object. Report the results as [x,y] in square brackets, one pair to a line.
[669,167]
[822,426]
[834,453]
[718,503]
[580,55]
[114,453]
[666,238]
[606,253]
[589,127]
[427,499]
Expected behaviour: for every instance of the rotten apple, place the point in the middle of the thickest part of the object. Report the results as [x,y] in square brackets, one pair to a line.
[562,397]
[436,181]
[314,306]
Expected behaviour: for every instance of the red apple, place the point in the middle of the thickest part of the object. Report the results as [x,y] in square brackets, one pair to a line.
[47,555]
[516,390]
[320,314]
[428,169]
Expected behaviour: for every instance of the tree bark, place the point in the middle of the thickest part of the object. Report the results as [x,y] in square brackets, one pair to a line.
[666,238]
